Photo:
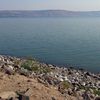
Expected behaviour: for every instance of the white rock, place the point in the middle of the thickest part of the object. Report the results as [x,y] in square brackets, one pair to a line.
[77,73]
[10,67]
[66,79]
[61,79]
[83,83]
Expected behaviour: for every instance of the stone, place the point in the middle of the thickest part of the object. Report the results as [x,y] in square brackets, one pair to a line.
[40,81]
[86,96]
[66,79]
[49,79]
[29,92]
[97,98]
[23,97]
[8,70]
[53,98]
[70,92]
[23,71]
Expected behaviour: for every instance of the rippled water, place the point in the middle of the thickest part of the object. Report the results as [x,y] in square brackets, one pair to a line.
[61,41]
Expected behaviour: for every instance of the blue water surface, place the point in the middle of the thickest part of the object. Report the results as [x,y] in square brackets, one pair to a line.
[60,41]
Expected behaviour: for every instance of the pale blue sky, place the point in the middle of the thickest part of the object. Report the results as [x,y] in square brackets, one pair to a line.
[50,4]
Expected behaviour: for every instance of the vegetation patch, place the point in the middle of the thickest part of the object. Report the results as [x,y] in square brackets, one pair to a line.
[66,84]
[27,65]
[47,70]
[96,92]
[32,65]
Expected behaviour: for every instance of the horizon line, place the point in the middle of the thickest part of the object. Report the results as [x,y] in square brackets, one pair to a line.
[50,10]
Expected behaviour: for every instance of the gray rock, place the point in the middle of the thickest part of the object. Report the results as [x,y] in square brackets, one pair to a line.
[97,98]
[23,97]
[9,70]
[70,92]
[40,81]
[86,96]
[23,71]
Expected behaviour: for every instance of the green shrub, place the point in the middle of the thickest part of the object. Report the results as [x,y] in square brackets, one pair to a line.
[17,62]
[46,70]
[35,66]
[30,65]
[27,64]
[82,87]
[96,92]
[66,84]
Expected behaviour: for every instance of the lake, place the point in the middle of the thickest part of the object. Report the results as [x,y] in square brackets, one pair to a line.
[59,41]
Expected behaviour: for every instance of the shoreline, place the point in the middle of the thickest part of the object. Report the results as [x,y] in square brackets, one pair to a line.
[67,81]
[70,66]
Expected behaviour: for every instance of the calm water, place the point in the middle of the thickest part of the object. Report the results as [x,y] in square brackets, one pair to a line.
[61,41]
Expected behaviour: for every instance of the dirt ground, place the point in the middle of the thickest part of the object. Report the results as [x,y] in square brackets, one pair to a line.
[32,87]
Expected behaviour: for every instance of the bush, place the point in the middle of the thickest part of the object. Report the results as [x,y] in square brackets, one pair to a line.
[32,65]
[66,84]
[46,70]
[96,92]
[63,86]
[27,65]
[35,68]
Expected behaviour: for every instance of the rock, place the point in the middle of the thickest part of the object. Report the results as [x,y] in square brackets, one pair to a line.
[14,99]
[8,95]
[32,75]
[60,79]
[23,71]
[49,65]
[29,92]
[66,79]
[97,98]
[9,70]
[16,66]
[23,97]
[70,92]
[53,98]
[26,96]
[92,96]
[86,96]
[40,81]
[83,83]
[10,67]
[49,79]
[29,80]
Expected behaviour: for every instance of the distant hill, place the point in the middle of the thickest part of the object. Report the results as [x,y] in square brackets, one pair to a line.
[48,13]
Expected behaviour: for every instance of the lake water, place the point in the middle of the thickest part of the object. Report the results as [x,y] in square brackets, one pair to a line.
[60,41]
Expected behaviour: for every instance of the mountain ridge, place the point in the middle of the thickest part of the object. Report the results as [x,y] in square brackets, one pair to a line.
[48,13]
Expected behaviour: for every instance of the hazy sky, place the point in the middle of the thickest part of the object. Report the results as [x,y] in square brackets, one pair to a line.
[50,4]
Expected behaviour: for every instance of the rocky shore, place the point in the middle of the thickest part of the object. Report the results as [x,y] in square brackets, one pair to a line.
[28,79]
